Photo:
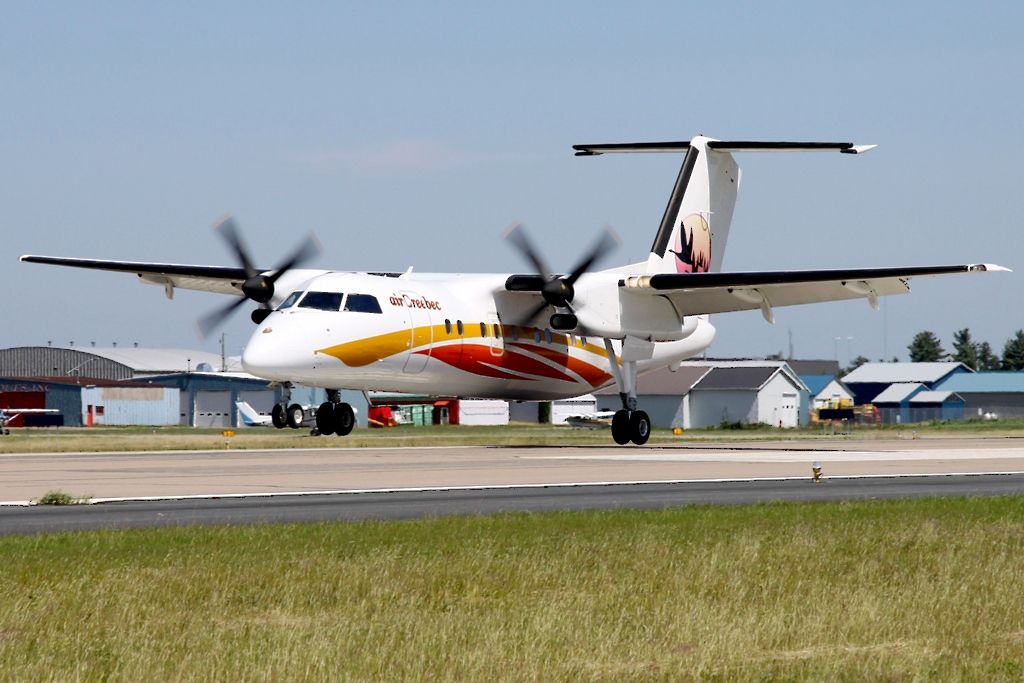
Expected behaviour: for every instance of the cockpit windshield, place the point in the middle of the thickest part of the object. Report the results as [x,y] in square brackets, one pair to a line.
[290,301]
[322,301]
[362,303]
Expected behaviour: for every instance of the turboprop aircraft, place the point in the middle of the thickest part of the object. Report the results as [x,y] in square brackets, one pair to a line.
[536,336]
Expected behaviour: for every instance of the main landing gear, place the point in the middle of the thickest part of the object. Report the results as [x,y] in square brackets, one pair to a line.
[628,424]
[285,413]
[631,425]
[335,417]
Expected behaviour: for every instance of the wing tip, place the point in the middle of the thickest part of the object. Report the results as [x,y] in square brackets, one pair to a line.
[988,268]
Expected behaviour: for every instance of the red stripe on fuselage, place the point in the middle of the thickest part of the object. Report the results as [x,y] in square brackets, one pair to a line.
[482,360]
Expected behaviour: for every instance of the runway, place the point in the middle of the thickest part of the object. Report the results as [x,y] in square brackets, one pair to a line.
[410,505]
[235,487]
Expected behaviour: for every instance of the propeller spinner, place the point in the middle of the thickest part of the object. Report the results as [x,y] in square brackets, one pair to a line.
[258,285]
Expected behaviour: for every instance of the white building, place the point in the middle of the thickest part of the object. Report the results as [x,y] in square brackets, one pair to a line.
[755,392]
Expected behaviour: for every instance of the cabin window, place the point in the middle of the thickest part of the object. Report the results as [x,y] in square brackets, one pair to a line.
[515,333]
[572,339]
[322,301]
[583,341]
[290,301]
[536,336]
[483,329]
[447,326]
[497,331]
[362,303]
[458,326]
[547,335]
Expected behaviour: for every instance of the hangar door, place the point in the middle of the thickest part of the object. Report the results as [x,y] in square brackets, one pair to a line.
[786,413]
[213,409]
[262,400]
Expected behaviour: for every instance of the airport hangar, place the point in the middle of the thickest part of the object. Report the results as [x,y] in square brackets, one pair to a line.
[132,386]
[707,393]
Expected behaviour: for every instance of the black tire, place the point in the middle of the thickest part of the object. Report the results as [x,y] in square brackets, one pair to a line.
[344,419]
[325,418]
[639,427]
[295,415]
[277,416]
[620,427]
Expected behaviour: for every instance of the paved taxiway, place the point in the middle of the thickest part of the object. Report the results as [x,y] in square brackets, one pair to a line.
[425,481]
[211,473]
[409,505]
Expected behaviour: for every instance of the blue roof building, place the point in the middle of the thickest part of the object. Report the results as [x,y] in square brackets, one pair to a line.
[871,379]
[988,394]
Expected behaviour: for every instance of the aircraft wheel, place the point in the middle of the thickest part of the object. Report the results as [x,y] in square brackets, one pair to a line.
[344,419]
[325,418]
[620,427]
[639,427]
[278,417]
[295,415]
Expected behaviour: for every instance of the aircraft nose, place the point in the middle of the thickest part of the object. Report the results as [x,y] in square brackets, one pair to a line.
[280,351]
[258,357]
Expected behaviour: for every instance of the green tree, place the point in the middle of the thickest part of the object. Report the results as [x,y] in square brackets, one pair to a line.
[987,360]
[926,348]
[964,349]
[1013,352]
[856,363]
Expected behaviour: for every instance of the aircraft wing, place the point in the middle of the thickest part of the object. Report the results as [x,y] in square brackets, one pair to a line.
[218,279]
[700,293]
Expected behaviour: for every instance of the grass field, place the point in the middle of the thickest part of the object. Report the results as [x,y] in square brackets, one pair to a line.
[517,434]
[925,589]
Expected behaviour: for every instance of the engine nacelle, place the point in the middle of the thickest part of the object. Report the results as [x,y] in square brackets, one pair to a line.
[607,310]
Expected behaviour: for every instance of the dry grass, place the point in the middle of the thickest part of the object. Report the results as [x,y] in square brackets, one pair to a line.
[926,589]
[185,438]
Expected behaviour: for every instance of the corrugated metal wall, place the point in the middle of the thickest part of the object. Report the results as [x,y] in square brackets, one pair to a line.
[44,361]
[131,405]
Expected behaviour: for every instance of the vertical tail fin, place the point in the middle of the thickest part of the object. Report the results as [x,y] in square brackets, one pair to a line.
[695,227]
[250,417]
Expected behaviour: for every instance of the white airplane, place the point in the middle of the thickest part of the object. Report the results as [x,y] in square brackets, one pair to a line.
[534,336]
[9,415]
[602,419]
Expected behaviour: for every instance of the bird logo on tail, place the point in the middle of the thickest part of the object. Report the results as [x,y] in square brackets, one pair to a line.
[693,245]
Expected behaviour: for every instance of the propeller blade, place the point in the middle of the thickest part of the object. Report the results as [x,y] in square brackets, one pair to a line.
[606,243]
[212,320]
[516,235]
[309,249]
[227,229]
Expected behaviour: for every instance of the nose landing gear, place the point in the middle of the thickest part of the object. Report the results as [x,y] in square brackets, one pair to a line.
[286,414]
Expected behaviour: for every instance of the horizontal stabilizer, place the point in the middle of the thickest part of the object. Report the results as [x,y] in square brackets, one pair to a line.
[722,146]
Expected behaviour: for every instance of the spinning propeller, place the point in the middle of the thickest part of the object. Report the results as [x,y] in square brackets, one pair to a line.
[257,286]
[557,290]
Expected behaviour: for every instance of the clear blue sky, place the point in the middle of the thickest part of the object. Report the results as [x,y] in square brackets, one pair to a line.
[412,135]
